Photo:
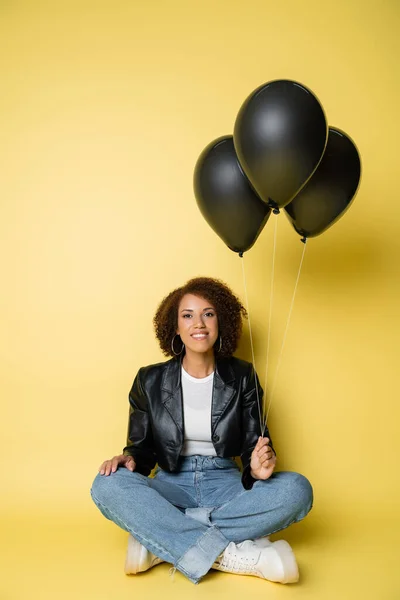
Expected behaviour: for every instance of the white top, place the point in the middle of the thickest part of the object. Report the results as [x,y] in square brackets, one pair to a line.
[197,396]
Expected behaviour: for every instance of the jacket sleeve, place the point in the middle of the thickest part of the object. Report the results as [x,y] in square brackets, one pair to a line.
[251,425]
[139,442]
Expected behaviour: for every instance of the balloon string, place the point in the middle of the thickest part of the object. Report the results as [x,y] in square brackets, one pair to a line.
[252,348]
[285,334]
[270,307]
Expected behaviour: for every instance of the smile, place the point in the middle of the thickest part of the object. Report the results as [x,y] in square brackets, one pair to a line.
[199,336]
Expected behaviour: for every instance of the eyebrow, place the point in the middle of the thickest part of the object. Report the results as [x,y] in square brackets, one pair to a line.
[191,310]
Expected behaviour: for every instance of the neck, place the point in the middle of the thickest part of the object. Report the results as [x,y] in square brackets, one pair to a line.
[199,364]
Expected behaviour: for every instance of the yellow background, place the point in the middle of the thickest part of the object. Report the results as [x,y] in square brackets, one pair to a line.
[104,110]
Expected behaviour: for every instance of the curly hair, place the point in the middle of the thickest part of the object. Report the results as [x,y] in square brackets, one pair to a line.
[228,307]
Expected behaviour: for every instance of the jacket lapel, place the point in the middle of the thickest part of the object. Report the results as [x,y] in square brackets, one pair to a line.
[223,391]
[171,392]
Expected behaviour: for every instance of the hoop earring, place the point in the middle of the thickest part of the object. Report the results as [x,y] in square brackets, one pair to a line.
[220,344]
[172,346]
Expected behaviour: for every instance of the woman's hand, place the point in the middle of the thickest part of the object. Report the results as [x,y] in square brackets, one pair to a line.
[263,460]
[112,465]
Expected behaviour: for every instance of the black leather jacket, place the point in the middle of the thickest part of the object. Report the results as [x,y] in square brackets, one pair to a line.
[156,430]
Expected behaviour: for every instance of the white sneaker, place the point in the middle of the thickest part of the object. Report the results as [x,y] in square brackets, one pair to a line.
[262,542]
[275,561]
[138,558]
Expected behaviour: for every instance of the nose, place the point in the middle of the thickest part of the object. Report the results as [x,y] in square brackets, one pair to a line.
[199,323]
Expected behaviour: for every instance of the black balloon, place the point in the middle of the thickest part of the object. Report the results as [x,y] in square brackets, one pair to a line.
[280,135]
[330,191]
[226,198]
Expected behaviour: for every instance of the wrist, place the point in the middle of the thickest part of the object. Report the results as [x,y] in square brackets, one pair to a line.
[254,476]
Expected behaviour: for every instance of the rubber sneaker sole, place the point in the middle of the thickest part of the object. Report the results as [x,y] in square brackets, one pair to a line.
[138,558]
[288,559]
[135,556]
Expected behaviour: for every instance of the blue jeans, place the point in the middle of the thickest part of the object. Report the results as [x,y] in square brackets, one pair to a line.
[187,518]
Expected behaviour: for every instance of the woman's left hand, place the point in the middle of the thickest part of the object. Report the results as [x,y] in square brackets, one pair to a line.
[263,460]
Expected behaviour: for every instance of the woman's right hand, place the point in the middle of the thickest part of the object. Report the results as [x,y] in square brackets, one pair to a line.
[112,465]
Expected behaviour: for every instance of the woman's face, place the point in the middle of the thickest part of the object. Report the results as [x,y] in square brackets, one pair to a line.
[197,323]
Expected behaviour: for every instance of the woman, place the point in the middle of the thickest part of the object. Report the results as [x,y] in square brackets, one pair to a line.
[192,415]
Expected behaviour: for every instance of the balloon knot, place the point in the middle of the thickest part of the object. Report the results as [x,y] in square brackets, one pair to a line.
[276,211]
[241,254]
[303,239]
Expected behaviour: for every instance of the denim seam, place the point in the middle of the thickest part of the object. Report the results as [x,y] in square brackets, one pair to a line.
[197,543]
[230,500]
[131,530]
[285,527]
[291,523]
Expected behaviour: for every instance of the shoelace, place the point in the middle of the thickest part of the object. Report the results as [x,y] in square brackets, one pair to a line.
[242,564]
